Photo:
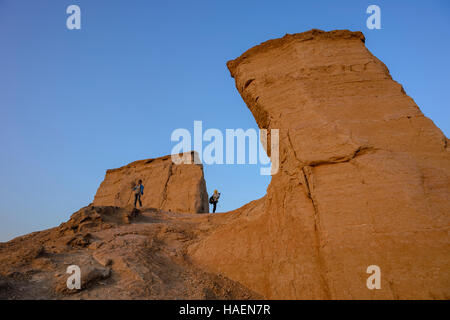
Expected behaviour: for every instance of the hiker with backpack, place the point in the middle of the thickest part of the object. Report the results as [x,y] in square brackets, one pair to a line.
[214,199]
[138,192]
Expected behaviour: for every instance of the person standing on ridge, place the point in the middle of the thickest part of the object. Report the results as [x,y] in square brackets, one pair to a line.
[214,199]
[138,192]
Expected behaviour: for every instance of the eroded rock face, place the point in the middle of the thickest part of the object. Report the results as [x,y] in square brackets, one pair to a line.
[167,186]
[141,258]
[364,179]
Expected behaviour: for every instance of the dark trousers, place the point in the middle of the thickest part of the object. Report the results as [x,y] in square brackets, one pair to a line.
[214,206]
[137,196]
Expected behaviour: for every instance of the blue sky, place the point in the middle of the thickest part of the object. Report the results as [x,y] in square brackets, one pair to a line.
[74,103]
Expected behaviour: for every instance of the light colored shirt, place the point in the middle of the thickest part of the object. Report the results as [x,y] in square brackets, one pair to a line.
[139,189]
[216,196]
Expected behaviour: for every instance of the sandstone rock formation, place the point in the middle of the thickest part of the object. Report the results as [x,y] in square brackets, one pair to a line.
[364,179]
[167,186]
[144,258]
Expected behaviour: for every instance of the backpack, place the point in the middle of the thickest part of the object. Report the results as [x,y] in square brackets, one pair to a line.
[139,189]
[211,200]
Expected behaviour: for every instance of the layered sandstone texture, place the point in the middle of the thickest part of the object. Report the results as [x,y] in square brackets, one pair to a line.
[364,179]
[167,186]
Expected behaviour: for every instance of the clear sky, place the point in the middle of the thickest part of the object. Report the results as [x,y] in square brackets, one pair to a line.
[74,103]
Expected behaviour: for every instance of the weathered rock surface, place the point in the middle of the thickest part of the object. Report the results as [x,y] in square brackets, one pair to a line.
[144,258]
[364,179]
[167,186]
